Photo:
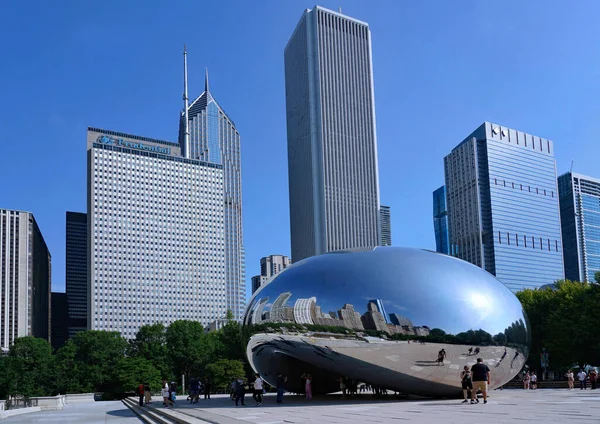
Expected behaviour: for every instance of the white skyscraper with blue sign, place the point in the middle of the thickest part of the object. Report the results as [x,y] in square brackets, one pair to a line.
[156,234]
[211,136]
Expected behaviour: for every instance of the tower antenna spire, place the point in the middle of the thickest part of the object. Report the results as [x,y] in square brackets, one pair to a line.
[206,81]
[186,136]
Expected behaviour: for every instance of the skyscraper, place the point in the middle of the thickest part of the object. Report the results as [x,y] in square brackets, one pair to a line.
[380,308]
[332,146]
[502,201]
[440,221]
[156,234]
[59,319]
[386,226]
[25,278]
[208,134]
[580,218]
[76,272]
[270,266]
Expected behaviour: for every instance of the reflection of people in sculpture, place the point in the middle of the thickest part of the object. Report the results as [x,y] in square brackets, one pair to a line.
[514,358]
[502,358]
[470,350]
[441,357]
[476,351]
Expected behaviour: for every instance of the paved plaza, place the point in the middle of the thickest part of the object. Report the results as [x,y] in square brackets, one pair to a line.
[508,406]
[89,413]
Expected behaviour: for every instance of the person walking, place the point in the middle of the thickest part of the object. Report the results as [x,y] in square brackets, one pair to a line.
[165,392]
[207,387]
[343,387]
[147,393]
[481,379]
[194,390]
[307,385]
[281,380]
[240,391]
[570,379]
[258,389]
[593,374]
[466,382]
[582,376]
[140,392]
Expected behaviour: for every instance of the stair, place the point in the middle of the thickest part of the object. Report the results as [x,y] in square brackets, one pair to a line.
[155,415]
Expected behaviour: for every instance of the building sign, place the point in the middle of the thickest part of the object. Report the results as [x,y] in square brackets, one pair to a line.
[104,139]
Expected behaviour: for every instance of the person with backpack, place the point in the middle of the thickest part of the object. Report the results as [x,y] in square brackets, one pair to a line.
[466,382]
[140,393]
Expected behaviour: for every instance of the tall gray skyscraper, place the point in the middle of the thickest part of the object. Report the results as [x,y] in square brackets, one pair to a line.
[502,203]
[332,145]
[25,278]
[211,136]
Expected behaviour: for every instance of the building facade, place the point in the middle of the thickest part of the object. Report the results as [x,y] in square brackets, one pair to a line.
[25,279]
[270,266]
[503,210]
[332,145]
[213,138]
[386,226]
[580,220]
[440,221]
[156,234]
[76,272]
[59,320]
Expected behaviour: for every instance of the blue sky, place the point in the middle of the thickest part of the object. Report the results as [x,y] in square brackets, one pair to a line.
[441,68]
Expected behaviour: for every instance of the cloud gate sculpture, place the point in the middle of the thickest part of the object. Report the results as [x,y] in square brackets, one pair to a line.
[381,317]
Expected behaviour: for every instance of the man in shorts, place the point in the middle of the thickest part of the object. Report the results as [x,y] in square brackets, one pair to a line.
[481,379]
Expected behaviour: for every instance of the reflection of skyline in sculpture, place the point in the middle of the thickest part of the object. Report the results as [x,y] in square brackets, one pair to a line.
[380,308]
[306,312]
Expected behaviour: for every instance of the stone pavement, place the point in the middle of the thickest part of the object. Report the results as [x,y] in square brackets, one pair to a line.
[89,413]
[507,406]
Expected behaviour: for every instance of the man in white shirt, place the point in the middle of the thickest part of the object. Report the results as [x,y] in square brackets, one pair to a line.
[582,379]
[258,390]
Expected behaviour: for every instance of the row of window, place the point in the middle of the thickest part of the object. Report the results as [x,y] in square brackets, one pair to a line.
[523,187]
[528,241]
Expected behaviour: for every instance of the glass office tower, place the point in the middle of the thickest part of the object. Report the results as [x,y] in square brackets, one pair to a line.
[386,226]
[580,219]
[440,221]
[155,234]
[76,272]
[213,138]
[503,210]
[332,147]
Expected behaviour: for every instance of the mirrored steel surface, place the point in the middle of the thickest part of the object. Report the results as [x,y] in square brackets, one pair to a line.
[381,316]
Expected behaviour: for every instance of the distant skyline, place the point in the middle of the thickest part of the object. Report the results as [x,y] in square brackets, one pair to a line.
[440,69]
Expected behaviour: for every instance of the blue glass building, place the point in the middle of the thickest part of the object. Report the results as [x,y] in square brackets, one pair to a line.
[580,218]
[440,221]
[213,138]
[503,209]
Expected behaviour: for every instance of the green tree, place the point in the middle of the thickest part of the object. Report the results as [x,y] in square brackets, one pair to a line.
[563,321]
[190,348]
[151,343]
[67,371]
[230,338]
[597,277]
[97,354]
[130,372]
[28,367]
[223,371]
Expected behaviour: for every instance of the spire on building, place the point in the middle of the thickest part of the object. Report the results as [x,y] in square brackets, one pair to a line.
[206,81]
[186,135]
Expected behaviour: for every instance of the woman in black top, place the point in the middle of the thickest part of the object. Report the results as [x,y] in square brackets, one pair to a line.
[466,381]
